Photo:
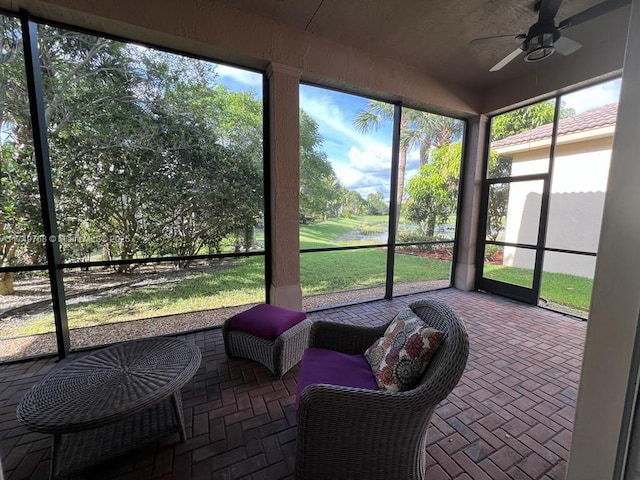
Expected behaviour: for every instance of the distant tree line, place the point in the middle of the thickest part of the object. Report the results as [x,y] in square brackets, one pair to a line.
[321,194]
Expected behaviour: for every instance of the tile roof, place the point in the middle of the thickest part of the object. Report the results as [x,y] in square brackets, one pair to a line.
[589,120]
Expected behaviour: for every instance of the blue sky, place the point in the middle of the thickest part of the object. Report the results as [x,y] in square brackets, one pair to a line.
[362,162]
[592,97]
[238,80]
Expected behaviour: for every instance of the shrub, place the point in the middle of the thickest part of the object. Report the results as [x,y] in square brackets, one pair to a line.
[419,236]
[492,253]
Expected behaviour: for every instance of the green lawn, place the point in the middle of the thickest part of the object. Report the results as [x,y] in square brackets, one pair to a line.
[564,292]
[323,272]
[328,233]
[241,281]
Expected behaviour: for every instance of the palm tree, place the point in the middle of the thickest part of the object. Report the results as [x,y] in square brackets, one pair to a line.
[418,129]
[370,119]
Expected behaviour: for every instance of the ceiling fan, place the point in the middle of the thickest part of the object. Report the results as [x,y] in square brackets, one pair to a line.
[544,37]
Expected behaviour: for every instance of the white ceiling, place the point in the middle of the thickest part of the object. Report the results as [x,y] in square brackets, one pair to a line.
[434,35]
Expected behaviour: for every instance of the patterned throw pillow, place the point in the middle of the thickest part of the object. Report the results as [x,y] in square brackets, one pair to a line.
[400,357]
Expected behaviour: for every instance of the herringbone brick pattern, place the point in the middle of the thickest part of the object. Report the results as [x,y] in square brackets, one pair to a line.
[510,417]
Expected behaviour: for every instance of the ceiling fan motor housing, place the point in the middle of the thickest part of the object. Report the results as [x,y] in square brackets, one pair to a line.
[539,42]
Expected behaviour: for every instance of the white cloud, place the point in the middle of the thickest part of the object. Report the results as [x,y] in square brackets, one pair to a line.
[366,173]
[593,97]
[353,178]
[331,119]
[349,176]
[361,161]
[377,159]
[244,77]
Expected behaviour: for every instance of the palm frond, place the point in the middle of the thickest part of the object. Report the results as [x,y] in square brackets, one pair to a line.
[373,115]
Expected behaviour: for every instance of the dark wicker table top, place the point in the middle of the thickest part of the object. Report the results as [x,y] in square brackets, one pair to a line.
[109,385]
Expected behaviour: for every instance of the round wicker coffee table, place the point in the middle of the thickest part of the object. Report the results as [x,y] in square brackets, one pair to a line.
[111,401]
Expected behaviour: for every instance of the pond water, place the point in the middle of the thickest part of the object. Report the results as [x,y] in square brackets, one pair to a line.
[358,237]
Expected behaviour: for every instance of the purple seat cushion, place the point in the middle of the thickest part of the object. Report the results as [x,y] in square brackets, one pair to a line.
[266,321]
[334,368]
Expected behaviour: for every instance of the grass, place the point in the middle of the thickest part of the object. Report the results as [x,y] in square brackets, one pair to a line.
[515,276]
[327,234]
[323,272]
[564,292]
[241,281]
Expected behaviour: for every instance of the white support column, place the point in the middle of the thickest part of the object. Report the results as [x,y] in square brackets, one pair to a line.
[600,421]
[465,267]
[284,138]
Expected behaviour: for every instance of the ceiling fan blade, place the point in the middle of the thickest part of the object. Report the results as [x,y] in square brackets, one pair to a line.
[506,60]
[548,10]
[593,12]
[566,46]
[510,36]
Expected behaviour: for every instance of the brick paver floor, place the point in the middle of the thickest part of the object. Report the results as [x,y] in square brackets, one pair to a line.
[510,417]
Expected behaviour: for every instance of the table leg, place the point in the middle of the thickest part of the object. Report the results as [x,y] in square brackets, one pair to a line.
[55,452]
[176,401]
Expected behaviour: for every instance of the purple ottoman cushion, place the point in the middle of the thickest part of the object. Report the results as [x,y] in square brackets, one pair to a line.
[266,321]
[334,368]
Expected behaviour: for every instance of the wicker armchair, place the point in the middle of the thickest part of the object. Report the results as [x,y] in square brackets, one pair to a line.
[350,433]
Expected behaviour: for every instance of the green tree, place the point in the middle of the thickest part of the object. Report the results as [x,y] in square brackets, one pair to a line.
[238,121]
[150,155]
[433,193]
[375,204]
[353,202]
[20,217]
[318,183]
[210,183]
[418,129]
[101,138]
[526,118]
[499,166]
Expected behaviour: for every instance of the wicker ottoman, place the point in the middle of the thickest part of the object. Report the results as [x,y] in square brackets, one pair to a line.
[273,336]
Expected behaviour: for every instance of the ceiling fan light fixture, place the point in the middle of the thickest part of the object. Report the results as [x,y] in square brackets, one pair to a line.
[540,47]
[539,54]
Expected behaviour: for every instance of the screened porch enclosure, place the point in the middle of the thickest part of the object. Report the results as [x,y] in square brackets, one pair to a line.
[149,209]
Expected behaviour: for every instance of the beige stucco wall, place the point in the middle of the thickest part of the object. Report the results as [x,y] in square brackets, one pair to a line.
[284,143]
[580,173]
[599,431]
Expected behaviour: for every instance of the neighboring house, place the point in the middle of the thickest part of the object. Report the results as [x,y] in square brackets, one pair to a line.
[578,186]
